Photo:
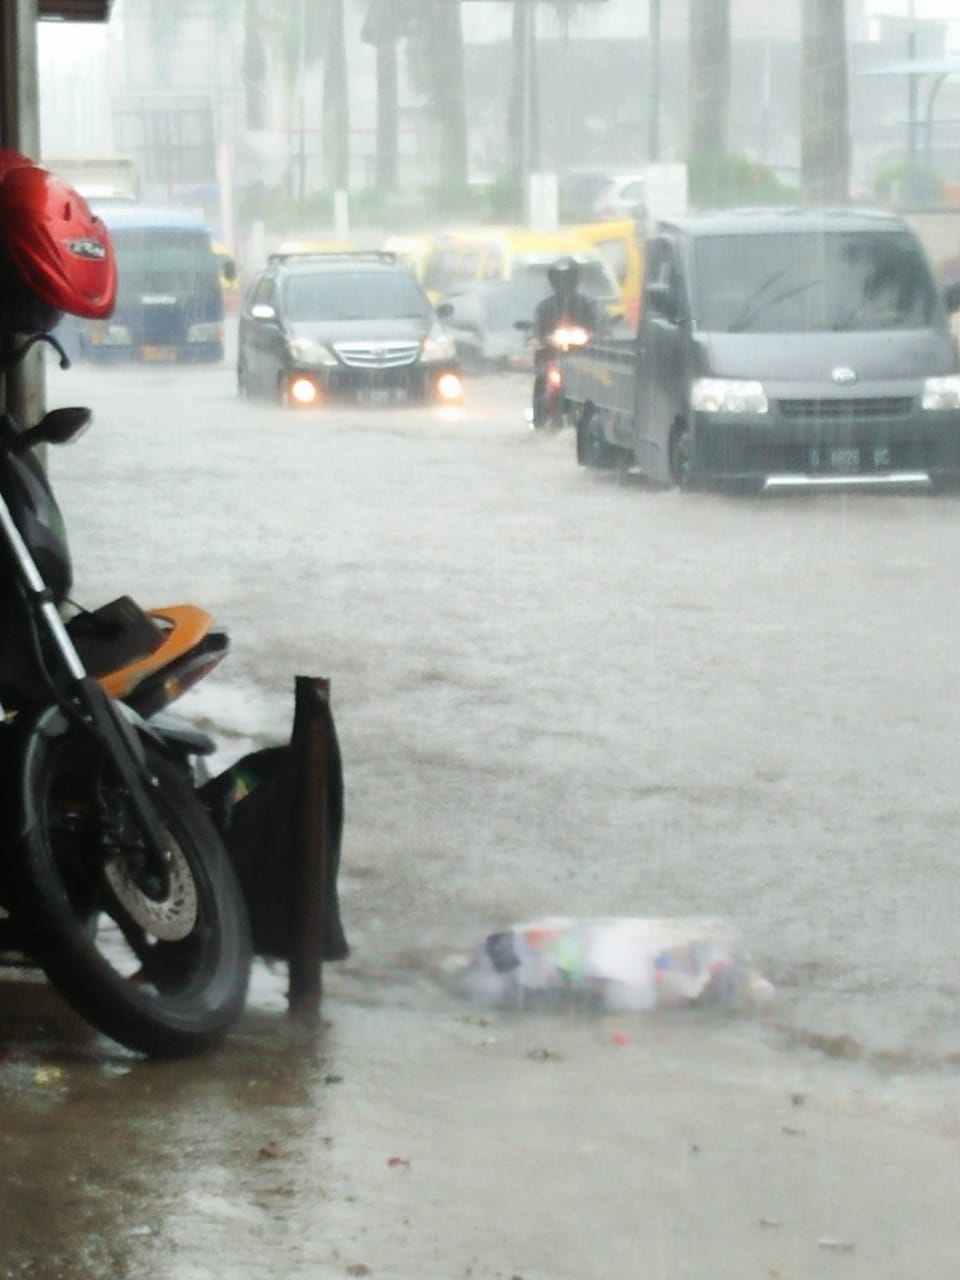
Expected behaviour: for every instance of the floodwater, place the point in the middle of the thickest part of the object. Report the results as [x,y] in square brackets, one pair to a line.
[556,692]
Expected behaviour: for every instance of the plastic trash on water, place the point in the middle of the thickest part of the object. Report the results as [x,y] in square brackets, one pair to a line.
[616,964]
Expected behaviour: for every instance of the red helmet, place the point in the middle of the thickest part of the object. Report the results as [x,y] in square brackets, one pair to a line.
[55,254]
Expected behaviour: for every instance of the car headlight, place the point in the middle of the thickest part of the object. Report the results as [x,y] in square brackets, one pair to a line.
[306,351]
[211,332]
[728,395]
[437,345]
[942,393]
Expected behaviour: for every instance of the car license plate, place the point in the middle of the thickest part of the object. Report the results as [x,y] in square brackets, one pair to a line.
[159,353]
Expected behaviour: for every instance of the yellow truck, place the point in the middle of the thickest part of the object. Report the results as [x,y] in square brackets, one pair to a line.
[621,243]
[476,254]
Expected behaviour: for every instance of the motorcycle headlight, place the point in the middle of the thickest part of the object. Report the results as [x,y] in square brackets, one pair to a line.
[728,395]
[205,333]
[437,345]
[306,351]
[570,336]
[942,393]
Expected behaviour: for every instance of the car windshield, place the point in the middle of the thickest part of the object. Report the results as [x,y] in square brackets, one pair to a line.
[811,283]
[353,295]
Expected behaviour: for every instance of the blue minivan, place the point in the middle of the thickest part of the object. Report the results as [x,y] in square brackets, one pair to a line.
[169,293]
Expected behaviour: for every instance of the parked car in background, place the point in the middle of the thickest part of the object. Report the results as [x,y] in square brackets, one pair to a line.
[587,194]
[483,322]
[316,325]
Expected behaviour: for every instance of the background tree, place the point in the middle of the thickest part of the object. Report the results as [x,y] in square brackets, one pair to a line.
[386,22]
[523,107]
[336,98]
[825,138]
[253,67]
[709,71]
[437,67]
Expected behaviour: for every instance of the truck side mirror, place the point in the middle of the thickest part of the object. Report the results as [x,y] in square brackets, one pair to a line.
[951,297]
[661,302]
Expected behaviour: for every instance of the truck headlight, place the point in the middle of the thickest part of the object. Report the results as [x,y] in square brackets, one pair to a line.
[437,345]
[207,332]
[306,351]
[728,395]
[110,335]
[942,393]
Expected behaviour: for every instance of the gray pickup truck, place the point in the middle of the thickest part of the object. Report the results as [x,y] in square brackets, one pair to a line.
[778,348]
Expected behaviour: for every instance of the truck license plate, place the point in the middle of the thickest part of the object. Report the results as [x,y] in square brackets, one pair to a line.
[849,459]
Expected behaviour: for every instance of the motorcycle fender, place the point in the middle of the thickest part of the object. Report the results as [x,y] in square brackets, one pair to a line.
[50,724]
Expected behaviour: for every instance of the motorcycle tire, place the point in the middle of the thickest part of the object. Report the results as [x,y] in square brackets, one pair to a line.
[161,968]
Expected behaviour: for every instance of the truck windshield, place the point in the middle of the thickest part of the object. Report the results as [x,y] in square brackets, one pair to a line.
[812,283]
[163,259]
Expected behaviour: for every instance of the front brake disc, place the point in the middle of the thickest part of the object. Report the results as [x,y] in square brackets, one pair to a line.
[171,917]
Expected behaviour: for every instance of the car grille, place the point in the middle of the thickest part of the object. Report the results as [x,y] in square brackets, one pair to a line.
[377,355]
[860,408]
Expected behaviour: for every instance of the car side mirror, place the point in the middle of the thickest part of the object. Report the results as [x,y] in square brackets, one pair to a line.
[444,310]
[951,297]
[262,311]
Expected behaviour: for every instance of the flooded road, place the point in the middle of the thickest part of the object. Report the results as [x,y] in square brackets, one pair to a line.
[556,692]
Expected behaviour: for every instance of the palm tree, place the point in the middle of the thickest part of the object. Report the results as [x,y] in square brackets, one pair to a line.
[336,97]
[253,67]
[385,23]
[709,85]
[523,107]
[435,49]
[825,140]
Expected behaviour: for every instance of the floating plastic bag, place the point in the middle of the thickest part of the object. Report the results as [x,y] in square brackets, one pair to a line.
[622,964]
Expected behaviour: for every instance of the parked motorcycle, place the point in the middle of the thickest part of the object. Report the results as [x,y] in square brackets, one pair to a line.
[113,878]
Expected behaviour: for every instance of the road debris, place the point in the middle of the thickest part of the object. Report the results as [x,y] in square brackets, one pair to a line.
[837,1246]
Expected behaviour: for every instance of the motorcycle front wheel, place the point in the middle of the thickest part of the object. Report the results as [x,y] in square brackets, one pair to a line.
[158,961]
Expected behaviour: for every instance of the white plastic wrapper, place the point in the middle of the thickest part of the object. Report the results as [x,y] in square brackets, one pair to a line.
[616,964]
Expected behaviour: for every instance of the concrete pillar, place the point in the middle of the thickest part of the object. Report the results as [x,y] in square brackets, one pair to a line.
[22,389]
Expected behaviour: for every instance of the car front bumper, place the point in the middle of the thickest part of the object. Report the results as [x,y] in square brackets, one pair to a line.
[406,382]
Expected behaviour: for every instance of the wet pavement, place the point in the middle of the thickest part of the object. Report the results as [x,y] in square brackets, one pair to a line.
[555,692]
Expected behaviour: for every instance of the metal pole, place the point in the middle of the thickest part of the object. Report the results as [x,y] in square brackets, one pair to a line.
[301,76]
[526,106]
[912,88]
[312,742]
[653,37]
[928,180]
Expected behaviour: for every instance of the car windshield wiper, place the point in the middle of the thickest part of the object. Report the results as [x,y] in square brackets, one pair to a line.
[758,306]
